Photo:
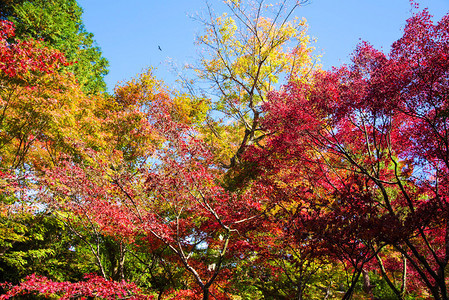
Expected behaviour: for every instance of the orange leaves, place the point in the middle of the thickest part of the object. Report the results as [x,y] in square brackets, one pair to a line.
[141,91]
[147,116]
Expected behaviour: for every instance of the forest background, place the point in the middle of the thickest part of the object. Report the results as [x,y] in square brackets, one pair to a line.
[257,175]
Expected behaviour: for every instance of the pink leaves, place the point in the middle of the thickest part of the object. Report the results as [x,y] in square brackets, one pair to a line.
[6,30]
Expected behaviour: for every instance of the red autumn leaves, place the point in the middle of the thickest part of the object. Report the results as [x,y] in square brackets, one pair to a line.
[354,171]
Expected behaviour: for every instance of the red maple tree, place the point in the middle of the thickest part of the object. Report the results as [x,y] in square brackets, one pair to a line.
[364,150]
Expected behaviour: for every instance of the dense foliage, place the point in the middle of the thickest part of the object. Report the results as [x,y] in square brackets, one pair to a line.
[58,23]
[333,186]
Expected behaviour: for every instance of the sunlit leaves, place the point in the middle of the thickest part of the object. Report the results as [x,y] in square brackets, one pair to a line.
[246,53]
[346,143]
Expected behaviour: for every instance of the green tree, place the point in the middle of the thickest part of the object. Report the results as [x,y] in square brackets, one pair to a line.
[58,23]
[46,247]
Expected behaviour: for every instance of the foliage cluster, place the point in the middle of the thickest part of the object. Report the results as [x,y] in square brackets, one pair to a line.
[58,24]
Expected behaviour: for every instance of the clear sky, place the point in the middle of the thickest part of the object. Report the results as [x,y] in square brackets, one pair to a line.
[130,32]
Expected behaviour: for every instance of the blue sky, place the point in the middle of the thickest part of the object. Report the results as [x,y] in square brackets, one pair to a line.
[129,32]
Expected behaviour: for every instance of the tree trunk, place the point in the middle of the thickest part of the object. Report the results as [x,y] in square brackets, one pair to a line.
[205,294]
[404,276]
[300,290]
[350,291]
[328,291]
[122,261]
[367,287]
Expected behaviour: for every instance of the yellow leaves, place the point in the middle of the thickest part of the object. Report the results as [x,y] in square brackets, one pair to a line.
[235,3]
[246,55]
[257,53]
[49,119]
[190,110]
[223,139]
[227,28]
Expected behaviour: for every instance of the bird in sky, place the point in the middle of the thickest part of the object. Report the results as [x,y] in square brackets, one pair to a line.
[159,47]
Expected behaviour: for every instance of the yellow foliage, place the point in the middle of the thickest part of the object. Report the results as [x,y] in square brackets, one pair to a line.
[247,54]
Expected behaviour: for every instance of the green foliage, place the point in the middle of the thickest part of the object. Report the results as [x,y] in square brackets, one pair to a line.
[58,23]
[45,247]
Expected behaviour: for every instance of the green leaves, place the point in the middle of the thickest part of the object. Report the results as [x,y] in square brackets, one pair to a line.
[58,23]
